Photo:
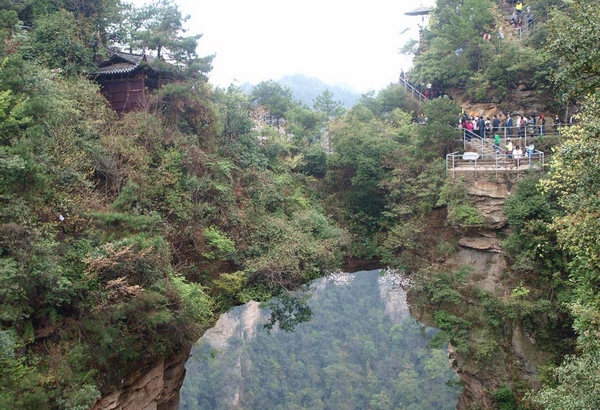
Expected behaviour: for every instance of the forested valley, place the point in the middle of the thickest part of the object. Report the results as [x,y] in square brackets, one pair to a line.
[361,349]
[123,236]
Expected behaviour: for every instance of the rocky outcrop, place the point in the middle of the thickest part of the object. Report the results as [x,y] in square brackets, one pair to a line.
[241,322]
[481,251]
[480,248]
[393,295]
[475,390]
[523,100]
[488,197]
[154,387]
[484,256]
[484,242]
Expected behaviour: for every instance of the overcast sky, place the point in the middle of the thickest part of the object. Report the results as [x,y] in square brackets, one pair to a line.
[339,42]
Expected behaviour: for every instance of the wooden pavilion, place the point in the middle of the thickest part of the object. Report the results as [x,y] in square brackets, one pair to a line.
[126,79]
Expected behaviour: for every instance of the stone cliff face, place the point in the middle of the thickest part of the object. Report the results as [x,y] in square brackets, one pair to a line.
[154,387]
[394,297]
[242,323]
[522,100]
[481,250]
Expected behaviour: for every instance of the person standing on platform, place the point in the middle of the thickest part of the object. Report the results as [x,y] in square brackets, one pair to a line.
[509,126]
[481,124]
[495,124]
[542,124]
[530,152]
[517,154]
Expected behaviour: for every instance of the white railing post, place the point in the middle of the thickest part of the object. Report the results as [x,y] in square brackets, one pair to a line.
[453,168]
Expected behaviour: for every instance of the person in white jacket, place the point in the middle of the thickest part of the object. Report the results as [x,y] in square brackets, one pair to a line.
[517,154]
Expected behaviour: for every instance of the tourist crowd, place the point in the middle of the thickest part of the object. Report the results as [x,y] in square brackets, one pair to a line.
[509,125]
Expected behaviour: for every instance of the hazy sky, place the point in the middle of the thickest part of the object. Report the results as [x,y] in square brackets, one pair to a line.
[339,42]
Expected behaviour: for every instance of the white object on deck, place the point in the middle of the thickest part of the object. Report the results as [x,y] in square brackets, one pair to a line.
[471,156]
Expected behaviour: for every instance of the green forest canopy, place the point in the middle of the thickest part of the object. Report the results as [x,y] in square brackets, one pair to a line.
[360,350]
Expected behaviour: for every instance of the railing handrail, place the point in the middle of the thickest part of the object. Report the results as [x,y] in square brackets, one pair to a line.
[547,127]
[473,135]
[420,97]
[524,134]
[500,162]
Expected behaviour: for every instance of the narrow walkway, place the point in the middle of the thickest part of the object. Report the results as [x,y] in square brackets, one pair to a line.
[457,163]
[480,155]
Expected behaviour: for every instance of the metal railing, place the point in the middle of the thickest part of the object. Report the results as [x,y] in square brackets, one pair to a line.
[498,163]
[412,91]
[522,135]
[525,28]
[470,139]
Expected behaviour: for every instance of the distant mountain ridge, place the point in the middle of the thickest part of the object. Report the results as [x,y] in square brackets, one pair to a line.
[306,89]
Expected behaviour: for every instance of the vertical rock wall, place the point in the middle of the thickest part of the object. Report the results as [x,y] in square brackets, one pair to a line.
[480,249]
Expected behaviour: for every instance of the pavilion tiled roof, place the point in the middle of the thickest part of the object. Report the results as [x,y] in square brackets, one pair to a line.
[118,68]
[120,63]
